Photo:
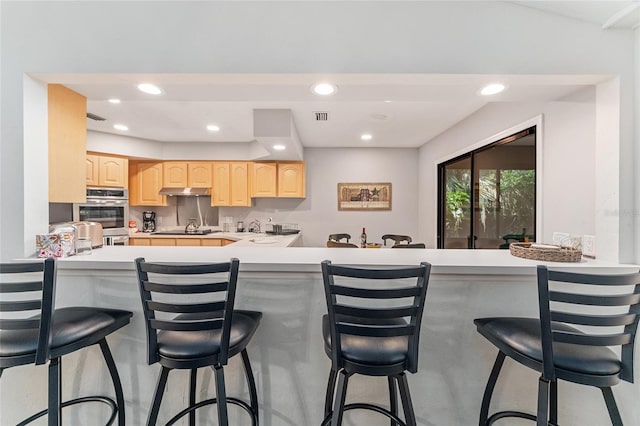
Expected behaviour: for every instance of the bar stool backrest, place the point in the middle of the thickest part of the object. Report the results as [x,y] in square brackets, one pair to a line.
[397,239]
[364,310]
[29,288]
[567,301]
[338,237]
[189,290]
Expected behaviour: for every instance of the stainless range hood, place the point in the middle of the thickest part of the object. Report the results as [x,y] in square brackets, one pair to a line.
[185,192]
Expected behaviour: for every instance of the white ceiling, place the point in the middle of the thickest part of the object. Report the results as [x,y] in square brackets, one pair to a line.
[399,110]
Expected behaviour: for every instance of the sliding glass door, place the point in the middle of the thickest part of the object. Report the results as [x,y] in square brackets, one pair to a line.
[499,182]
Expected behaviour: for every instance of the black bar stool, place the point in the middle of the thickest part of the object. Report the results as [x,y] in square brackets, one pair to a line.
[52,333]
[206,331]
[553,346]
[372,338]
[397,239]
[338,237]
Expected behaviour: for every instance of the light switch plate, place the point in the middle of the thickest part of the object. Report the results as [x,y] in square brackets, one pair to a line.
[589,246]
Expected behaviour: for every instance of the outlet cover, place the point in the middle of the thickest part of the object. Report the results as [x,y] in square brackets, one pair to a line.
[589,246]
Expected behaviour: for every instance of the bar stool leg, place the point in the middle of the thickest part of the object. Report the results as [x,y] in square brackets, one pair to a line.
[115,378]
[405,395]
[393,398]
[157,397]
[341,396]
[612,407]
[331,387]
[193,379]
[543,402]
[251,384]
[223,419]
[553,403]
[54,414]
[488,391]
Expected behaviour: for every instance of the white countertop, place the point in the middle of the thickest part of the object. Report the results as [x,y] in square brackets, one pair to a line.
[276,256]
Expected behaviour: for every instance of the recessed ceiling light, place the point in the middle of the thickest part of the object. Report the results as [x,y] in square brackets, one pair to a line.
[149,88]
[387,102]
[114,100]
[366,137]
[120,127]
[492,89]
[279,147]
[324,89]
[213,128]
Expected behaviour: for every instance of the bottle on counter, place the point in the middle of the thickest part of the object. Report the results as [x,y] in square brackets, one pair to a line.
[363,238]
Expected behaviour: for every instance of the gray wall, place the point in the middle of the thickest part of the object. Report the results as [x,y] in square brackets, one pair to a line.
[296,37]
[568,161]
[318,214]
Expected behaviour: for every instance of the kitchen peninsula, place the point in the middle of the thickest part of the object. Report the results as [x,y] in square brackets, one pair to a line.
[287,351]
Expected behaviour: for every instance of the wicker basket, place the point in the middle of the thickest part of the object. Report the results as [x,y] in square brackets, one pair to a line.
[556,254]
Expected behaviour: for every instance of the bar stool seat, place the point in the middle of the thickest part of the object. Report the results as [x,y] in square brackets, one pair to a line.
[206,343]
[520,339]
[368,350]
[72,329]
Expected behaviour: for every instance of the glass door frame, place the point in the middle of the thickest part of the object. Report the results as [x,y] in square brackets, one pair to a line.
[503,137]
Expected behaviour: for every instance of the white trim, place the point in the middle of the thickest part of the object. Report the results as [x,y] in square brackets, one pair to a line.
[536,121]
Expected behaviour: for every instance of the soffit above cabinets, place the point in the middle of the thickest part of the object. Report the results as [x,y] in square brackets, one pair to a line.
[398,110]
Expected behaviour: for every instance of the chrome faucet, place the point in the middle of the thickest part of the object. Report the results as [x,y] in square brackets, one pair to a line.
[254,226]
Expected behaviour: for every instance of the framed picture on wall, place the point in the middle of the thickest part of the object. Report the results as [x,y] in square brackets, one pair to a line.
[364,196]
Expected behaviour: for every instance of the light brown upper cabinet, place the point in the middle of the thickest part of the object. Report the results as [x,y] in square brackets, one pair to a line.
[67,118]
[240,184]
[108,171]
[291,179]
[145,182]
[230,184]
[221,190]
[199,174]
[263,179]
[179,174]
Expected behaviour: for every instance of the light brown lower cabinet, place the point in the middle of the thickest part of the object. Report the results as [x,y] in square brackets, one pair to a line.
[181,242]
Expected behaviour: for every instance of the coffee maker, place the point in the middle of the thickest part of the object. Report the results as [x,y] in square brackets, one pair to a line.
[148,221]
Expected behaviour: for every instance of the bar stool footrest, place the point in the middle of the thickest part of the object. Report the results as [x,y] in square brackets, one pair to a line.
[235,401]
[97,398]
[519,414]
[370,407]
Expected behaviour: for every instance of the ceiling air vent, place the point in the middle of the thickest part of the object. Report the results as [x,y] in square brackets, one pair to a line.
[321,116]
[95,117]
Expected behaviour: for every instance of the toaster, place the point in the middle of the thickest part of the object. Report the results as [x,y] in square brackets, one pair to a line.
[83,230]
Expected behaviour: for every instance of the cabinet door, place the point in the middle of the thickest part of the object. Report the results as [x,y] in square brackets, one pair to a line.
[211,242]
[199,175]
[220,193]
[67,134]
[174,174]
[240,184]
[93,168]
[163,241]
[187,241]
[113,172]
[139,241]
[146,182]
[263,179]
[291,180]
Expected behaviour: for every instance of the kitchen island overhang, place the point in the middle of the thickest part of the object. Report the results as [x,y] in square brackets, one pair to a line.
[287,351]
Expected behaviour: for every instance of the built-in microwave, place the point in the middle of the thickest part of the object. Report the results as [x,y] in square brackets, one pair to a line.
[107,206]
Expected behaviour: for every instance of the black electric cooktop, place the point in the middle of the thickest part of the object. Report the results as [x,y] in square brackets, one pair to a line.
[198,232]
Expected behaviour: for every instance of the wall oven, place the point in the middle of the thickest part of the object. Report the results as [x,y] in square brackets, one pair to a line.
[107,206]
